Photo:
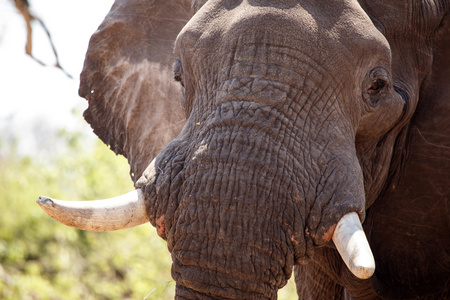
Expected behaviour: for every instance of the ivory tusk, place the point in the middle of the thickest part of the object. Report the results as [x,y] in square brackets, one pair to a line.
[116,213]
[352,245]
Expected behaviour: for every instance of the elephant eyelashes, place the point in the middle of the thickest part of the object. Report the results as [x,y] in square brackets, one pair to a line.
[177,71]
[376,86]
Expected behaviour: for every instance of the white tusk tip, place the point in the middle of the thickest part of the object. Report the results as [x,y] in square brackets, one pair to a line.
[363,268]
[351,243]
[44,201]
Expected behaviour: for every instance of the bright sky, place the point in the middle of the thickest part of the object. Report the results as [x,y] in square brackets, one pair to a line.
[34,98]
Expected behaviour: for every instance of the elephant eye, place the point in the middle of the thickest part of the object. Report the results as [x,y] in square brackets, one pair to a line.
[177,72]
[376,86]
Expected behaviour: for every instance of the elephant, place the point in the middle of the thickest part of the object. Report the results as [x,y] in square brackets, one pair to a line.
[270,138]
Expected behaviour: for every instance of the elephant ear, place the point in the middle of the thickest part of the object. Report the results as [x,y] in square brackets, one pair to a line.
[410,226]
[127,79]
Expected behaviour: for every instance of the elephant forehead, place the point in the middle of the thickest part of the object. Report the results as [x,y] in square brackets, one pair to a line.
[249,88]
[334,31]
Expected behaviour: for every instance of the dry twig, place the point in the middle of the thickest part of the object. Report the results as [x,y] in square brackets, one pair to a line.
[24,8]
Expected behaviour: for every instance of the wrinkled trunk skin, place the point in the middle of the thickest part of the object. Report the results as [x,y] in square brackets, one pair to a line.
[234,234]
[243,205]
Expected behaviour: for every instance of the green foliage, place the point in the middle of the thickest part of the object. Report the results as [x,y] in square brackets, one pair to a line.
[42,259]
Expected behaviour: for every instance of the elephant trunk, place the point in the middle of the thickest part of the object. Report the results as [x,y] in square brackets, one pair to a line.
[234,231]
[230,241]
[246,207]
[236,257]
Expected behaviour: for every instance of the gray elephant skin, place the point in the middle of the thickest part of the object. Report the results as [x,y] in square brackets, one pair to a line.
[283,117]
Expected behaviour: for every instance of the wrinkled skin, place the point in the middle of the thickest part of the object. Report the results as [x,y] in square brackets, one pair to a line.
[292,114]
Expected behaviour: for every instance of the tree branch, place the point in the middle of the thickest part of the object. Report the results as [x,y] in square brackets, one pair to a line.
[24,8]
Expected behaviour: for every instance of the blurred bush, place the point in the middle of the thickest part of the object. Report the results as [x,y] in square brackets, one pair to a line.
[42,259]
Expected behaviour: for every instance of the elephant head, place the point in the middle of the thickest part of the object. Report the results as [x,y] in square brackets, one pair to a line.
[287,125]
